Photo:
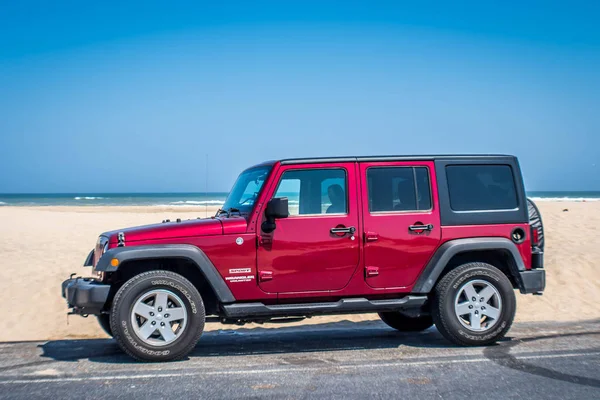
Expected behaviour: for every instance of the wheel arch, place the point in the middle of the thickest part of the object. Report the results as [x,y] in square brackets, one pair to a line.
[186,260]
[499,252]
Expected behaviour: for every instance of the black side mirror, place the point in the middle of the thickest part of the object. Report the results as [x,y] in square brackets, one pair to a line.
[276,208]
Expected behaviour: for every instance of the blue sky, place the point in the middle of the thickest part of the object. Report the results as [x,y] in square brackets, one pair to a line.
[101,96]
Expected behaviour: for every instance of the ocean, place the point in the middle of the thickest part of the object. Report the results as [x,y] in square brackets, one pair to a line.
[115,199]
[197,199]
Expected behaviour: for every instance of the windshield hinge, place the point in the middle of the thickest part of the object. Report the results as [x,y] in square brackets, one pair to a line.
[120,239]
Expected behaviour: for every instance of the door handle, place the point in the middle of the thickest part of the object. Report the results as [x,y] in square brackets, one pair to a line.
[349,229]
[420,228]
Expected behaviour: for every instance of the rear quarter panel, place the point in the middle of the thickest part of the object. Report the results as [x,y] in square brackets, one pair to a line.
[502,230]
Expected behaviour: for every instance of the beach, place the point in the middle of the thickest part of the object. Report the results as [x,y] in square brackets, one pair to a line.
[41,246]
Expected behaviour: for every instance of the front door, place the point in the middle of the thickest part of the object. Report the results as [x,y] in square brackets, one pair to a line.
[401,221]
[303,253]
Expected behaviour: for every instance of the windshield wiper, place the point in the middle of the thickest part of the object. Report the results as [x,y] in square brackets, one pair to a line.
[234,210]
[229,211]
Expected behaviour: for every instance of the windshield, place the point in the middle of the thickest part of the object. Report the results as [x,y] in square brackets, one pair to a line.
[245,190]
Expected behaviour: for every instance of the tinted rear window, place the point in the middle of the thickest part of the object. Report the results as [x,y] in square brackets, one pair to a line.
[481,187]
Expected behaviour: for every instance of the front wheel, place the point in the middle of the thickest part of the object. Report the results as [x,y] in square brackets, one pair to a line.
[473,305]
[104,321]
[157,316]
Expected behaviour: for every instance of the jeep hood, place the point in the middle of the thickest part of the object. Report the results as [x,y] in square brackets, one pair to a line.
[180,229]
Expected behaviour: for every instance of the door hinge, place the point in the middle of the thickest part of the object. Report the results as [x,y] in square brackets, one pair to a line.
[371,271]
[264,276]
[263,241]
[371,236]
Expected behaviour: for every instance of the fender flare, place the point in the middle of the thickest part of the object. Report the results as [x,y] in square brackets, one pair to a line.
[185,251]
[446,251]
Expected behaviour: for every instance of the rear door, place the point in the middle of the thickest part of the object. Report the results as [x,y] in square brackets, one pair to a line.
[401,221]
[303,254]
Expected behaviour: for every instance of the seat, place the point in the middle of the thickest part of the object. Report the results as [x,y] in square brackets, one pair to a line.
[338,199]
[406,196]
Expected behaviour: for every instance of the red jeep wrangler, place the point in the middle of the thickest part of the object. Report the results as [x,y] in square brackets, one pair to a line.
[421,240]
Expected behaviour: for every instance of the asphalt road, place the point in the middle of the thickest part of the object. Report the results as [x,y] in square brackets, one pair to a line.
[339,360]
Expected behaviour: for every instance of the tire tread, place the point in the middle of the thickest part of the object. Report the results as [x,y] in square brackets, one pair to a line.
[441,291]
[124,289]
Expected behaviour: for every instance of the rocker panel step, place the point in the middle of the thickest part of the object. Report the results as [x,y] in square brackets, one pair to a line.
[343,306]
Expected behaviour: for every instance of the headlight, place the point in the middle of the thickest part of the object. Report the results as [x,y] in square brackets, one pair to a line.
[101,248]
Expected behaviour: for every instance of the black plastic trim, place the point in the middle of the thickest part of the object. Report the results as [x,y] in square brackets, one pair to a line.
[316,160]
[89,261]
[537,258]
[343,306]
[185,251]
[446,251]
[534,281]
[88,295]
[391,158]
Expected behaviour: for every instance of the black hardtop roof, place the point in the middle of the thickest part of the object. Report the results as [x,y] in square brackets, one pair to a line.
[447,157]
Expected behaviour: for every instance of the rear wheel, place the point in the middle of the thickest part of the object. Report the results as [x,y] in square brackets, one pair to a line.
[403,323]
[157,316]
[473,304]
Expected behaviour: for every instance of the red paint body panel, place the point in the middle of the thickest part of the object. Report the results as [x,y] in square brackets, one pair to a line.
[504,231]
[234,225]
[302,254]
[399,254]
[169,230]
[226,255]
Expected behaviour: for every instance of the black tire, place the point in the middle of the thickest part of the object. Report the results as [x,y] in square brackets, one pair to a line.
[120,317]
[404,323]
[104,321]
[443,301]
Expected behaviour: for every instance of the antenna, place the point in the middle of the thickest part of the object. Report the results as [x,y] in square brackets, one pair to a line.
[206,190]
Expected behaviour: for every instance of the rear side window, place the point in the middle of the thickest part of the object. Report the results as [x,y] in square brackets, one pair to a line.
[481,187]
[398,189]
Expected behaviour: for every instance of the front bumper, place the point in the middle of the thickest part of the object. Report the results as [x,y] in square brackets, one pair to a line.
[85,295]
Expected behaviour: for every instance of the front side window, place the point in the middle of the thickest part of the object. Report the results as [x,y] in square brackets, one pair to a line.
[398,189]
[246,189]
[481,187]
[314,191]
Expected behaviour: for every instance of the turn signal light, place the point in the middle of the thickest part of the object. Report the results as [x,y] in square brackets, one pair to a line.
[114,262]
[535,236]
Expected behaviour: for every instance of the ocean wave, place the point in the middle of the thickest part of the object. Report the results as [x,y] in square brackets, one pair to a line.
[88,198]
[198,202]
[2,203]
[171,205]
[563,199]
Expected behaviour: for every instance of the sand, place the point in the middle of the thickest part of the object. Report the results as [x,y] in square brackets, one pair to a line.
[40,247]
